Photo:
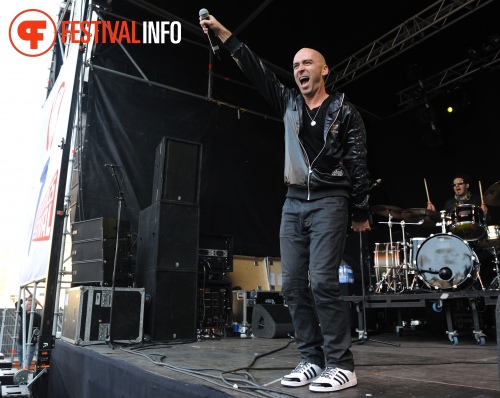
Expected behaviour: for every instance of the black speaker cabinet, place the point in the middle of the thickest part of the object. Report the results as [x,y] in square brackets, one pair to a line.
[102,228]
[93,253]
[177,171]
[168,237]
[271,321]
[171,312]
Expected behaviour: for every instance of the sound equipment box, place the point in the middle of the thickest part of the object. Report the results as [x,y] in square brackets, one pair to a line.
[177,171]
[214,303]
[244,301]
[215,253]
[87,315]
[171,312]
[102,228]
[168,237]
[7,376]
[93,252]
[271,321]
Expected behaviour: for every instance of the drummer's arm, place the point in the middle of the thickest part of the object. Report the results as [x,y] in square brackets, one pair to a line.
[430,206]
[487,217]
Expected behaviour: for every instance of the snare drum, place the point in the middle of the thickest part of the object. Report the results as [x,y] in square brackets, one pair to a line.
[446,261]
[387,260]
[468,222]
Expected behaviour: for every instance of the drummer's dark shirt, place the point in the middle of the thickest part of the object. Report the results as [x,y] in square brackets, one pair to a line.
[451,203]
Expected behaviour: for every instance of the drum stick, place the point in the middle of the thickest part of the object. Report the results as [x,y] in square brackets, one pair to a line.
[426,191]
[481,192]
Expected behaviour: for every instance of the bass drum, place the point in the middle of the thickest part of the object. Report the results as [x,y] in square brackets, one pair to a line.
[446,261]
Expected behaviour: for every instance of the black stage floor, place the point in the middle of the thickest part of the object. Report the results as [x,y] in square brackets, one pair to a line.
[416,363]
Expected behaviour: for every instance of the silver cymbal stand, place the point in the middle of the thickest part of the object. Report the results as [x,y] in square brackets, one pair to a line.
[405,258]
[406,264]
[386,276]
[443,221]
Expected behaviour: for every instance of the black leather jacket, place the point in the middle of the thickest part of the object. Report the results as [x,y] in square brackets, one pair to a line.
[344,151]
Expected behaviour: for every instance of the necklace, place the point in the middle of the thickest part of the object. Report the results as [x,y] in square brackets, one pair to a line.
[313,122]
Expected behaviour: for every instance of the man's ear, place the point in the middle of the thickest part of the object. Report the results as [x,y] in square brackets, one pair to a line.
[325,71]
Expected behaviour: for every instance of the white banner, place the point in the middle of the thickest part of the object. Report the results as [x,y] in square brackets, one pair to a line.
[56,120]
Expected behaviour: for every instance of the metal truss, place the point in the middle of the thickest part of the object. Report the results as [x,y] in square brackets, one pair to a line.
[415,30]
[455,74]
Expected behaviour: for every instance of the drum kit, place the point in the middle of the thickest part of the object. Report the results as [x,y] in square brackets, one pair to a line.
[444,261]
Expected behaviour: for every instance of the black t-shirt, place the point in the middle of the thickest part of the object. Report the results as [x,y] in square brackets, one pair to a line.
[37,323]
[451,203]
[312,137]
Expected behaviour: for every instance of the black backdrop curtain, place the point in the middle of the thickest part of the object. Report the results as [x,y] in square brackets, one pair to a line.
[242,186]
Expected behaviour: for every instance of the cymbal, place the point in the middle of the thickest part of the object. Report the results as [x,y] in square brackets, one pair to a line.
[491,196]
[385,210]
[415,215]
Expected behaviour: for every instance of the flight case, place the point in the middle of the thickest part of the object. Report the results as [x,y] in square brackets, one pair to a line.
[87,311]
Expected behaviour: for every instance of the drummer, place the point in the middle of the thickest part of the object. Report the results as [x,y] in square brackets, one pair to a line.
[461,184]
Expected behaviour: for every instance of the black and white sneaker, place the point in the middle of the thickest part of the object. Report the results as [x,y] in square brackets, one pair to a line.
[303,374]
[333,379]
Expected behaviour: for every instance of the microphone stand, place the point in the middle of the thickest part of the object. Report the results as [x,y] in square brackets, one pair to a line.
[362,333]
[121,200]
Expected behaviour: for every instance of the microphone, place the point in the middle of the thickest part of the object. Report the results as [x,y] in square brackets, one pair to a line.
[211,37]
[375,184]
[444,273]
[111,165]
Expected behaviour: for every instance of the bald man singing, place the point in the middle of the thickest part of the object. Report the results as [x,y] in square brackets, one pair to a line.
[327,180]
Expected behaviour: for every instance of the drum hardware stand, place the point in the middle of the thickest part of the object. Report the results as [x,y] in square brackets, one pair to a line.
[443,221]
[495,283]
[385,277]
[405,264]
[479,276]
[362,333]
[121,200]
[368,264]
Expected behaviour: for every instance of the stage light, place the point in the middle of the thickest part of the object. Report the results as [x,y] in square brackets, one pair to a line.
[495,41]
[449,109]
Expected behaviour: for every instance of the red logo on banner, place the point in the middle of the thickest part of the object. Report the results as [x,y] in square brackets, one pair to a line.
[45,213]
[32,33]
[54,116]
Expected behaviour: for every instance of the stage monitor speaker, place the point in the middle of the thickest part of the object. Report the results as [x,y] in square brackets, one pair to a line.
[177,171]
[271,321]
[171,312]
[168,237]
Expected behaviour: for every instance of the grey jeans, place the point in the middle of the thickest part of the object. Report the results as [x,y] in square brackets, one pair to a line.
[312,240]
